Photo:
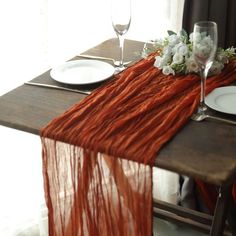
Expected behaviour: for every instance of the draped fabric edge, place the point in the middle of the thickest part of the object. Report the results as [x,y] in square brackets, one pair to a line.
[103,167]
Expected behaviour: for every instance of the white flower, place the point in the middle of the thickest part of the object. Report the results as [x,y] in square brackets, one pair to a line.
[231,50]
[167,70]
[175,49]
[176,53]
[191,65]
[221,57]
[160,62]
[178,58]
[202,51]
[183,49]
[216,68]
[167,50]
[173,39]
[207,41]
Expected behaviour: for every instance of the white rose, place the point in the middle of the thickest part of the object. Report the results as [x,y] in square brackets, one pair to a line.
[191,65]
[183,49]
[167,70]
[159,62]
[178,58]
[202,51]
[167,50]
[175,49]
[173,39]
[216,68]
[207,41]
[221,57]
[231,50]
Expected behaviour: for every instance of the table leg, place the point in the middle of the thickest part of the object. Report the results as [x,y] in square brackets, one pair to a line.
[221,210]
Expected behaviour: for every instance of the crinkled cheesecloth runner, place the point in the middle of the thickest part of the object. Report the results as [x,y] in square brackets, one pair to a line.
[98,155]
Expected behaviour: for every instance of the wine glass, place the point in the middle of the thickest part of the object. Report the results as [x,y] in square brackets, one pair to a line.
[121,18]
[204,51]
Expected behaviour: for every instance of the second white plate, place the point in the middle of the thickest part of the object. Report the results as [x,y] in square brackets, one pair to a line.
[82,72]
[223,99]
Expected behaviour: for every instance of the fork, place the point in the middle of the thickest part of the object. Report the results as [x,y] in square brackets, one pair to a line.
[201,117]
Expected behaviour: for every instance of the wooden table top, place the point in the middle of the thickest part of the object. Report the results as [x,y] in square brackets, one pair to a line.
[206,150]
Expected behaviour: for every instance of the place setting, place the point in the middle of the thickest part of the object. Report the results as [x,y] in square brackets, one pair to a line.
[79,76]
[221,106]
[221,99]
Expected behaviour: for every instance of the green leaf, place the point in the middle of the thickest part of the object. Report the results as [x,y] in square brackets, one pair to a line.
[183,33]
[170,32]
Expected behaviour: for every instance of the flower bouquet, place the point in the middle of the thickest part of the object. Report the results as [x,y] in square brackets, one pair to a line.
[174,53]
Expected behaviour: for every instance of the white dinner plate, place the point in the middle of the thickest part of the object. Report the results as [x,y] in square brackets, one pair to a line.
[223,99]
[81,72]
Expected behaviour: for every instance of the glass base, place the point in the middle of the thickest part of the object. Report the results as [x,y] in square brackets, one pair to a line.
[202,107]
[120,68]
[201,113]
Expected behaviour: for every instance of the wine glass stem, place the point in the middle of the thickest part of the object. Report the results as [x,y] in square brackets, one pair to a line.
[203,74]
[121,42]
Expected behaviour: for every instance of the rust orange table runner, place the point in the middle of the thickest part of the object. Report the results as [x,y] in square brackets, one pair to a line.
[98,155]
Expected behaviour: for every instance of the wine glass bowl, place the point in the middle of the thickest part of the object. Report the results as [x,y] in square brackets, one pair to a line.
[121,29]
[204,51]
[121,18]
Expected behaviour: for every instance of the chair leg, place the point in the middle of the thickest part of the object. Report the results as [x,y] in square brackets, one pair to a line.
[221,209]
[232,216]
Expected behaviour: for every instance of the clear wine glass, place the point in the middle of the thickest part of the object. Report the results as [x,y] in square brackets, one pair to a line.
[205,38]
[121,18]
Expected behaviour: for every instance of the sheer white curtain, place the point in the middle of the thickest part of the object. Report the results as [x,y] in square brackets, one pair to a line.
[35,36]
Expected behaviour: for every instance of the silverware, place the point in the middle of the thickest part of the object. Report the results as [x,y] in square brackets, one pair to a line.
[58,87]
[116,63]
[200,117]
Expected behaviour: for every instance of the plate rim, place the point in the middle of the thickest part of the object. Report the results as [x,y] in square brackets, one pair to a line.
[214,93]
[55,71]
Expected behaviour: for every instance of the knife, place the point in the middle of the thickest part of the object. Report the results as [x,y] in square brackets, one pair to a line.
[116,63]
[97,57]
[59,87]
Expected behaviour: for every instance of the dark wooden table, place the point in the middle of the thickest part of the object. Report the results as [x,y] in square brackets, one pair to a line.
[205,150]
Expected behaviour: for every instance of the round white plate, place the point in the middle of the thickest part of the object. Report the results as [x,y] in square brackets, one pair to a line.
[223,99]
[81,72]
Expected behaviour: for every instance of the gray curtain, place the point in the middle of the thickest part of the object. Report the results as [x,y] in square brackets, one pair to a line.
[223,12]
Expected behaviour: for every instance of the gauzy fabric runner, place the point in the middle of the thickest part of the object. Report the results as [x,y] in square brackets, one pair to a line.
[98,155]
